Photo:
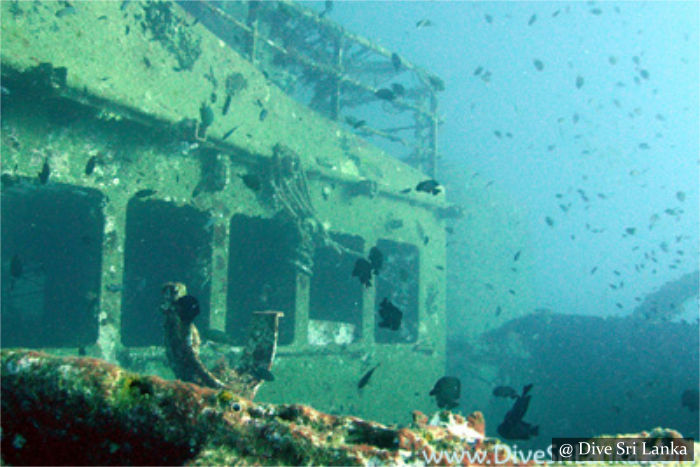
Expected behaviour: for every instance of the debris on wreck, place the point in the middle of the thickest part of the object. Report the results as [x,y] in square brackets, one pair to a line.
[119,417]
[182,343]
[85,411]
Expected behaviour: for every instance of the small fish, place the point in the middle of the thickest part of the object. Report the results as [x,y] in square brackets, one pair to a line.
[680,196]
[478,70]
[227,104]
[539,66]
[252,181]
[396,61]
[376,259]
[513,426]
[114,288]
[596,11]
[516,256]
[390,315]
[366,377]
[644,73]
[187,308]
[595,268]
[423,23]
[630,230]
[447,391]
[385,94]
[532,20]
[145,193]
[644,146]
[429,186]
[363,271]
[488,18]
[45,172]
[206,116]
[505,391]
[90,165]
[359,124]
[498,311]
[549,221]
[579,82]
[263,115]
[229,133]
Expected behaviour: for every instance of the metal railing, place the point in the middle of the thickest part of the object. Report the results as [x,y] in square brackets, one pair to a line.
[376,93]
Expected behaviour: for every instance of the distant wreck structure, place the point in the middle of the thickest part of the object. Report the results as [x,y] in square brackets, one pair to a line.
[669,301]
[241,149]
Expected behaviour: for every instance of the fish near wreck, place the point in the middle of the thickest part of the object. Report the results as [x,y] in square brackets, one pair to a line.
[363,271]
[366,377]
[429,186]
[447,391]
[391,316]
[513,426]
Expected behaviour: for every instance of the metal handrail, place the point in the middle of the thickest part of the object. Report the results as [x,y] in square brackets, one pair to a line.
[422,100]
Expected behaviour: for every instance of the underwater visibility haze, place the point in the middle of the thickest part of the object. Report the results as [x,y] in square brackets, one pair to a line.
[368,208]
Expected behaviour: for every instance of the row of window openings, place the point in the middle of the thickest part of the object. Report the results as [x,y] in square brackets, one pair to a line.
[51,250]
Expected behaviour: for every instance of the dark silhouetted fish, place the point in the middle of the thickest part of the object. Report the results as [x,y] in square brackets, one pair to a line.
[446,391]
[424,23]
[145,193]
[396,61]
[363,271]
[385,94]
[376,259]
[513,426]
[532,20]
[505,391]
[187,308]
[429,186]
[45,173]
[90,165]
[539,66]
[516,256]
[366,377]
[391,316]
[252,181]
[579,82]
[690,399]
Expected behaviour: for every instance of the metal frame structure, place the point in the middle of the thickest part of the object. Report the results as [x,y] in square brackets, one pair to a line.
[343,67]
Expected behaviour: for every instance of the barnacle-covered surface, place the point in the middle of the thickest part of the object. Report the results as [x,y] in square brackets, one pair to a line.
[68,410]
[86,411]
